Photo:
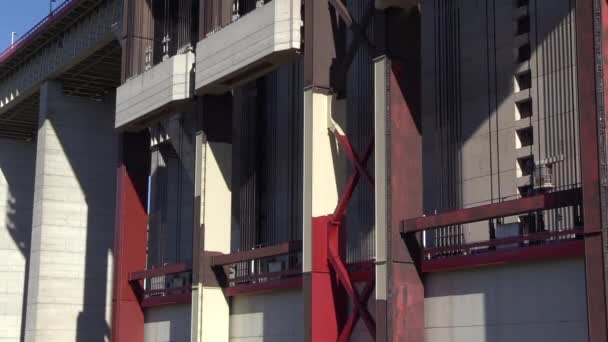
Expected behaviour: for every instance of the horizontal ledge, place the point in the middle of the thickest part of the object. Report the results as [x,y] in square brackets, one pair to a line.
[574,248]
[184,298]
[506,241]
[257,253]
[551,200]
[261,288]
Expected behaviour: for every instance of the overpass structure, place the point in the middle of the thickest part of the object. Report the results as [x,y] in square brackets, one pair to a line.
[306,170]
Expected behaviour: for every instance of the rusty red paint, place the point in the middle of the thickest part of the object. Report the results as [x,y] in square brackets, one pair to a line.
[590,168]
[552,200]
[403,314]
[266,287]
[560,250]
[130,236]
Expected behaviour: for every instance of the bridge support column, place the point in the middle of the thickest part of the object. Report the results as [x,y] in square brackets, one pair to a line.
[320,183]
[17,161]
[211,309]
[73,219]
[398,161]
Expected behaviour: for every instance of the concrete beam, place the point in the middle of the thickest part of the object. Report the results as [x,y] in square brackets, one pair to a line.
[85,37]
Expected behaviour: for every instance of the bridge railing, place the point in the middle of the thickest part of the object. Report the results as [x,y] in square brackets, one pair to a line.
[55,14]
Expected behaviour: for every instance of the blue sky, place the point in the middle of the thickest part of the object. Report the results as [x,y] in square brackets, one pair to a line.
[20,16]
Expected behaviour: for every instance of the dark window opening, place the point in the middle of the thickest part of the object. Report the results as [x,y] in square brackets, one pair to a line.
[525,136]
[524,80]
[524,108]
[523,25]
[524,53]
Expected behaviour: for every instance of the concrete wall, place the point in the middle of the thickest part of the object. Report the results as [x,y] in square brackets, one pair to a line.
[169,323]
[155,89]
[473,64]
[69,295]
[274,317]
[542,302]
[248,47]
[17,162]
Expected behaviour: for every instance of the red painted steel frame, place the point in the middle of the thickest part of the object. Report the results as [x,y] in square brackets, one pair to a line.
[559,250]
[130,238]
[359,300]
[597,314]
[508,208]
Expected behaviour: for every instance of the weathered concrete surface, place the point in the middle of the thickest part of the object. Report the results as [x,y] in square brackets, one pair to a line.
[248,47]
[167,324]
[540,302]
[17,162]
[73,219]
[155,89]
[272,317]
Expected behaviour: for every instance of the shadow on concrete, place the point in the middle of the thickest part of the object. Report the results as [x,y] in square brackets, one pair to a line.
[17,165]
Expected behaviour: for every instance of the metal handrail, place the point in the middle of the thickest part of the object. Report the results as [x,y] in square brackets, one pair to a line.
[20,41]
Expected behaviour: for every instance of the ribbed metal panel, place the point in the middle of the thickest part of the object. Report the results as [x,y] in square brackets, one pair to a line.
[245,179]
[172,192]
[360,128]
[139,28]
[281,155]
[267,159]
[473,56]
[214,14]
[555,88]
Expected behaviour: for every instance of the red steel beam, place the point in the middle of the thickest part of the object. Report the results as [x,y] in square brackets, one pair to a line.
[566,249]
[257,253]
[183,298]
[131,235]
[508,208]
[261,288]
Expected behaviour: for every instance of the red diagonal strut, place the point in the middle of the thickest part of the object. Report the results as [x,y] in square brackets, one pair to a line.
[359,300]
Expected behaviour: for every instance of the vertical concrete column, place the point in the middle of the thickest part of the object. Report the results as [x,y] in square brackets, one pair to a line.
[216,220]
[210,322]
[321,174]
[17,162]
[73,219]
[398,176]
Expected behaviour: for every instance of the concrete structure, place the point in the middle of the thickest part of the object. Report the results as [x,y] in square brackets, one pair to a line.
[166,84]
[17,164]
[314,170]
[249,47]
[73,217]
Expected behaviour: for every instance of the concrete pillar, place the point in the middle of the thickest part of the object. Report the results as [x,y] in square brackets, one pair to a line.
[212,235]
[17,161]
[216,197]
[73,219]
[398,177]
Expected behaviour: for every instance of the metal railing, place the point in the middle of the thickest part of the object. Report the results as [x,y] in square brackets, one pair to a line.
[163,285]
[530,225]
[55,13]
[262,266]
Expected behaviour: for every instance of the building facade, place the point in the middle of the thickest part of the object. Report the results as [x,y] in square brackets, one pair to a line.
[306,170]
